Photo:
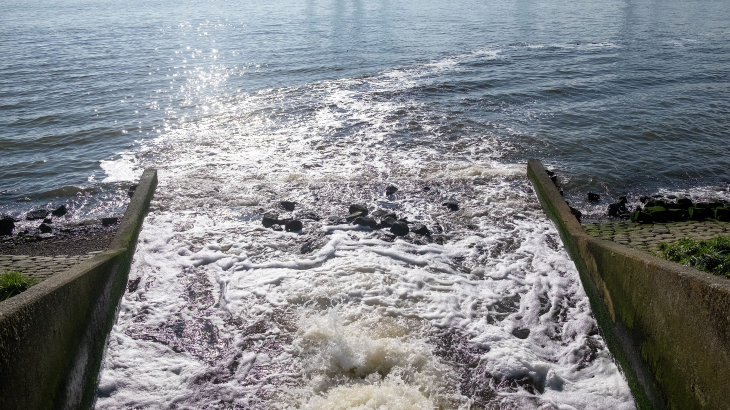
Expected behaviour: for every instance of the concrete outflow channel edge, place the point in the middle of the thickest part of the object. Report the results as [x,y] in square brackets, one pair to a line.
[667,325]
[52,336]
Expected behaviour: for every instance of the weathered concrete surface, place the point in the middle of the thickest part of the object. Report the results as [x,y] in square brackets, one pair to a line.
[647,237]
[668,325]
[52,336]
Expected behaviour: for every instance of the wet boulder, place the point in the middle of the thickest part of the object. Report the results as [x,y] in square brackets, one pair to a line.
[618,208]
[593,197]
[697,213]
[288,205]
[641,217]
[37,214]
[60,211]
[658,213]
[684,203]
[44,228]
[390,190]
[131,190]
[357,210]
[722,214]
[399,228]
[270,218]
[388,221]
[452,205]
[109,221]
[366,221]
[293,226]
[7,224]
[420,229]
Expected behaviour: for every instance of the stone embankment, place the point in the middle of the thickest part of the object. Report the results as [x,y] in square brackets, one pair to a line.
[647,237]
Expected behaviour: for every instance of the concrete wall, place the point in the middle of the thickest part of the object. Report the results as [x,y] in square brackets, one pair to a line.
[52,336]
[668,325]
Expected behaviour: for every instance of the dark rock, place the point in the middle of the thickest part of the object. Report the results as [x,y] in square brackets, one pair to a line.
[399,228]
[7,225]
[310,215]
[47,221]
[60,211]
[270,218]
[293,226]
[560,190]
[672,196]
[426,188]
[641,217]
[380,213]
[618,208]
[658,213]
[37,214]
[420,229]
[366,221]
[452,205]
[657,196]
[334,220]
[554,178]
[388,221]
[131,190]
[358,210]
[109,221]
[684,203]
[644,199]
[550,173]
[276,227]
[521,333]
[593,197]
[288,205]
[45,228]
[307,247]
[575,213]
[722,214]
[390,190]
[699,214]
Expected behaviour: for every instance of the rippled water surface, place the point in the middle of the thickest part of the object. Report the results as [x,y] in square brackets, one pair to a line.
[240,106]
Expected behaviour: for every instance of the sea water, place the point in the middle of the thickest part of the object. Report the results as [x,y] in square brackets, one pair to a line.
[241,106]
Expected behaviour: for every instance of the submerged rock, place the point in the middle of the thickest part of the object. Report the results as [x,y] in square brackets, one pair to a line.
[131,190]
[452,205]
[60,211]
[388,221]
[399,228]
[276,227]
[390,190]
[293,226]
[593,197]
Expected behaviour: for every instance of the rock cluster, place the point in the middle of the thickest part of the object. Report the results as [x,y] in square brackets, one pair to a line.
[683,209]
[554,177]
[46,228]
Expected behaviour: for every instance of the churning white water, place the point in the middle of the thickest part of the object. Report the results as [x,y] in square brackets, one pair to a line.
[486,312]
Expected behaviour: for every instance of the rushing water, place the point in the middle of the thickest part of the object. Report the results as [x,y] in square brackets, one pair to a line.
[241,106]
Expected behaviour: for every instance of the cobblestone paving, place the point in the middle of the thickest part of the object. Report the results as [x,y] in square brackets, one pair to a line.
[41,267]
[646,237]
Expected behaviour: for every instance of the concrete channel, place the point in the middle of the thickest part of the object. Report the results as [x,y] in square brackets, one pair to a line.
[52,336]
[667,325]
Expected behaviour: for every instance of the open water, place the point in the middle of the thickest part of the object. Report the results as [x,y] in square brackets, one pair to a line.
[326,103]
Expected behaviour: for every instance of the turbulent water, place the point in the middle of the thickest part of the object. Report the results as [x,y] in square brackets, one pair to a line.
[326,104]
